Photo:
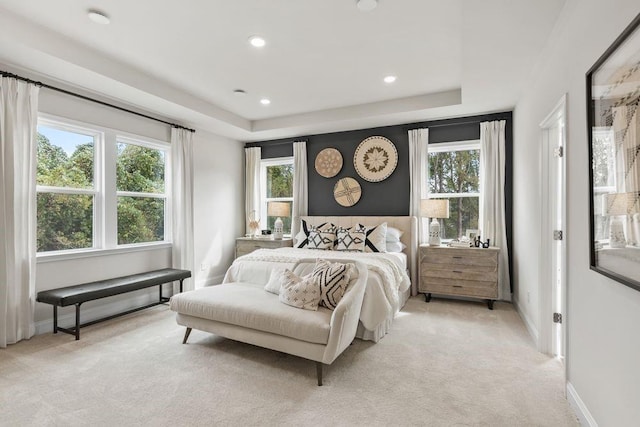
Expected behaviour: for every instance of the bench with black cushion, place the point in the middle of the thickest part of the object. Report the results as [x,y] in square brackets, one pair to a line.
[78,294]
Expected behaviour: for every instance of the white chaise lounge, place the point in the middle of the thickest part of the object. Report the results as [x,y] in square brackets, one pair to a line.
[246,312]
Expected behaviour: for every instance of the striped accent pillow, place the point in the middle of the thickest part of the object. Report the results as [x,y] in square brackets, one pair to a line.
[333,278]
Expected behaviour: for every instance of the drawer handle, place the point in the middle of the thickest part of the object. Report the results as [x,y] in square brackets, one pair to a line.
[457,286]
[457,271]
[457,257]
[257,247]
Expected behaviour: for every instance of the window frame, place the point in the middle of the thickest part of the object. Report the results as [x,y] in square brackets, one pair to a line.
[264,200]
[447,147]
[105,227]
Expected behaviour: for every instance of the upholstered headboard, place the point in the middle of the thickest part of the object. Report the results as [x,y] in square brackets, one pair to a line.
[407,224]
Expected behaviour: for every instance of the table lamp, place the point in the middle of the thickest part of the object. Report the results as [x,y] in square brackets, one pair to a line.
[434,209]
[278,209]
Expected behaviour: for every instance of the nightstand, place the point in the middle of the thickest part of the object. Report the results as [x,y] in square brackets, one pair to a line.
[246,245]
[466,272]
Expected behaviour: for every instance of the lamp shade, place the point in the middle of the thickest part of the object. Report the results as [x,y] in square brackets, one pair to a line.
[278,209]
[434,208]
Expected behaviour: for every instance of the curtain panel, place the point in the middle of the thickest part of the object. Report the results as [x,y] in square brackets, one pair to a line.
[252,184]
[492,200]
[18,146]
[419,182]
[182,196]
[300,185]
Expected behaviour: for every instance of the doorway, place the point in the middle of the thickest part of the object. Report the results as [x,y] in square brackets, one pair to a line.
[552,331]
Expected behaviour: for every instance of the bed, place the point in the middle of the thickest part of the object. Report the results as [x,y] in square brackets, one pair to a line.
[391,275]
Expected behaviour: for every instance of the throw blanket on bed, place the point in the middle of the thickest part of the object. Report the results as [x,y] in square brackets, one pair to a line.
[394,279]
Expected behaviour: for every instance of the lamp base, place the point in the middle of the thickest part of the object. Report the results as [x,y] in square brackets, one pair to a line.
[434,233]
[277,229]
[616,234]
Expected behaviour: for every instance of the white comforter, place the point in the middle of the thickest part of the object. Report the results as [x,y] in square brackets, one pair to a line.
[385,284]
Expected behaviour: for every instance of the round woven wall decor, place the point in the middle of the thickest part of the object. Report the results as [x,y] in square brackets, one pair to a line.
[375,158]
[328,162]
[347,192]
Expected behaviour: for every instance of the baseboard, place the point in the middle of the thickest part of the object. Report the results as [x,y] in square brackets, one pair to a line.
[533,331]
[584,416]
[92,313]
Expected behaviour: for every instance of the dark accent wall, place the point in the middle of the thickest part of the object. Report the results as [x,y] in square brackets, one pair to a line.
[391,196]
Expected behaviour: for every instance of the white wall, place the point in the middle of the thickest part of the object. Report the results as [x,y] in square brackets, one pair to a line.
[603,344]
[218,207]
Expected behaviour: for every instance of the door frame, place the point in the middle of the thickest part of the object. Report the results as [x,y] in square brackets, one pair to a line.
[546,299]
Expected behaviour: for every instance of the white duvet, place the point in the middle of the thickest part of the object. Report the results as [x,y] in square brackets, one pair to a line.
[386,284]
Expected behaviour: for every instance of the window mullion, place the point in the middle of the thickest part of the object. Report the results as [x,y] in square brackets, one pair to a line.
[110,220]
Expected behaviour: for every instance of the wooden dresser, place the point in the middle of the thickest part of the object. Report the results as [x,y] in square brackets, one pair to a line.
[246,245]
[467,272]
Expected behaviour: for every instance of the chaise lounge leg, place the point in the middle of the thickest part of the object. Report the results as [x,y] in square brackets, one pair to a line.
[186,336]
[319,372]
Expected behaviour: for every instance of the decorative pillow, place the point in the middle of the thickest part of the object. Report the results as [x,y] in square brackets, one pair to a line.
[395,246]
[321,239]
[300,292]
[351,239]
[394,234]
[375,238]
[273,285]
[302,238]
[333,279]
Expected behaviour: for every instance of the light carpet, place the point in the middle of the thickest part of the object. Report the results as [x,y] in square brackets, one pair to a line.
[446,363]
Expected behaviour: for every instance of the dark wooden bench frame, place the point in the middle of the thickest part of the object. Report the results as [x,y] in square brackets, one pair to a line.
[79,294]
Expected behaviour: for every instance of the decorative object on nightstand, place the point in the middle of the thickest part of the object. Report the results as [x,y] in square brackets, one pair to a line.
[278,209]
[434,209]
[253,223]
[464,272]
[246,245]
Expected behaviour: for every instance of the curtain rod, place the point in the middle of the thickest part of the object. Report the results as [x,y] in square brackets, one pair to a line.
[86,98]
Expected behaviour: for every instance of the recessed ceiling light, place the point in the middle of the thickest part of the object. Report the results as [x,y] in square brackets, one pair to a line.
[98,17]
[390,79]
[265,101]
[367,5]
[239,92]
[257,41]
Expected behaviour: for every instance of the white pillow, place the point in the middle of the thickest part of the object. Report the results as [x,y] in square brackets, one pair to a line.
[351,239]
[301,292]
[395,246]
[375,238]
[394,234]
[273,285]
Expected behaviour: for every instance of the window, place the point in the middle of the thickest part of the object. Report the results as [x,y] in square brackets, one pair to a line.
[454,174]
[97,189]
[276,186]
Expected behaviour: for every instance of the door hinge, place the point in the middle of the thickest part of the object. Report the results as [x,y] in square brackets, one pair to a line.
[558,152]
[557,318]
[557,235]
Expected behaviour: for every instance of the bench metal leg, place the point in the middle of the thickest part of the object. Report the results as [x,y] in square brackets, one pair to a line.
[186,336]
[319,372]
[77,321]
[55,319]
[181,280]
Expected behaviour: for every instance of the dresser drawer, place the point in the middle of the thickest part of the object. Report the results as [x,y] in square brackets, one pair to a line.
[459,272]
[469,288]
[245,245]
[470,258]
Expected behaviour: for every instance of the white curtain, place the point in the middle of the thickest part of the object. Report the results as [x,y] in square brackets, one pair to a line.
[182,187]
[300,185]
[492,203]
[419,174]
[419,184]
[18,123]
[252,184]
